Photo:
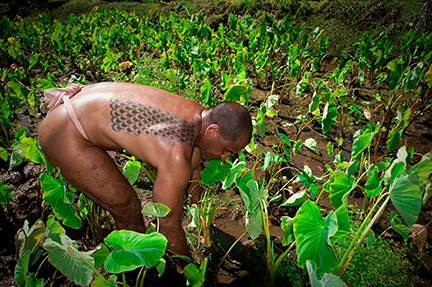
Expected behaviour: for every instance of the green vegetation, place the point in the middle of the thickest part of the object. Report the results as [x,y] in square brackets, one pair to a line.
[229,59]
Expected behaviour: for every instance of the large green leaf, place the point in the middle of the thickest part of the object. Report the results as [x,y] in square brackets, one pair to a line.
[295,199]
[100,281]
[398,226]
[341,185]
[133,249]
[311,144]
[428,77]
[328,117]
[235,92]
[132,169]
[56,195]
[195,277]
[214,171]
[327,280]
[21,268]
[313,234]
[235,172]
[32,282]
[206,90]
[418,174]
[287,226]
[406,197]
[64,256]
[396,76]
[5,193]
[343,221]
[155,209]
[361,143]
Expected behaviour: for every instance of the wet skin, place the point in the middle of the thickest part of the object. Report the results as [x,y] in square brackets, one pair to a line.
[163,129]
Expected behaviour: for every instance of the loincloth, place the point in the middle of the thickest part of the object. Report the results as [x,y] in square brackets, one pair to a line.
[57,96]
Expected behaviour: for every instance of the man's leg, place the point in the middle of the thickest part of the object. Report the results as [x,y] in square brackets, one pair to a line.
[90,169]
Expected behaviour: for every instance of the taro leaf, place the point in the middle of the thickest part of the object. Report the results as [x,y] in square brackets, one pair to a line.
[287,226]
[373,192]
[160,266]
[276,198]
[235,93]
[328,279]
[361,143]
[155,209]
[406,197]
[297,145]
[301,86]
[3,153]
[28,240]
[419,173]
[270,102]
[241,184]
[330,148]
[370,238]
[133,249]
[21,268]
[235,172]
[267,160]
[285,139]
[395,76]
[295,199]
[56,195]
[314,104]
[215,171]
[195,277]
[16,158]
[343,221]
[341,185]
[328,118]
[33,60]
[99,254]
[132,169]
[100,281]
[5,193]
[192,211]
[32,282]
[428,192]
[30,149]
[428,77]
[54,229]
[398,226]
[206,90]
[254,218]
[68,260]
[394,138]
[310,143]
[373,178]
[352,167]
[313,234]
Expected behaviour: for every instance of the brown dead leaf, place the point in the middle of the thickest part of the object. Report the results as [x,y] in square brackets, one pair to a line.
[418,234]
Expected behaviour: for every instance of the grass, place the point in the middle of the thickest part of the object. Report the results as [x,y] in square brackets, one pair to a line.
[379,263]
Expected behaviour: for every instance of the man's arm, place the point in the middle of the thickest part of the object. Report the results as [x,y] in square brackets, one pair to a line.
[171,181]
[195,188]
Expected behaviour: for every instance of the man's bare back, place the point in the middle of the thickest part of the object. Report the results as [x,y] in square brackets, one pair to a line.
[163,129]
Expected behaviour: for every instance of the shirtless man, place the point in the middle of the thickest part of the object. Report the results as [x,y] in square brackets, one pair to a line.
[169,132]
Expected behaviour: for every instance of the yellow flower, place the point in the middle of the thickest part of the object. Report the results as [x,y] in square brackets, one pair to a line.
[95,8]
[125,65]
[11,39]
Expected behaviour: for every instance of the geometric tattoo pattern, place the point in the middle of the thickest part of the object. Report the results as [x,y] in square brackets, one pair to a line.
[140,119]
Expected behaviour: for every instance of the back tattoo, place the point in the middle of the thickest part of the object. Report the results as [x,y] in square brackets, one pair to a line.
[140,119]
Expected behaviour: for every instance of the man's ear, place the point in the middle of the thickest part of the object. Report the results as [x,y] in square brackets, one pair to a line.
[211,129]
